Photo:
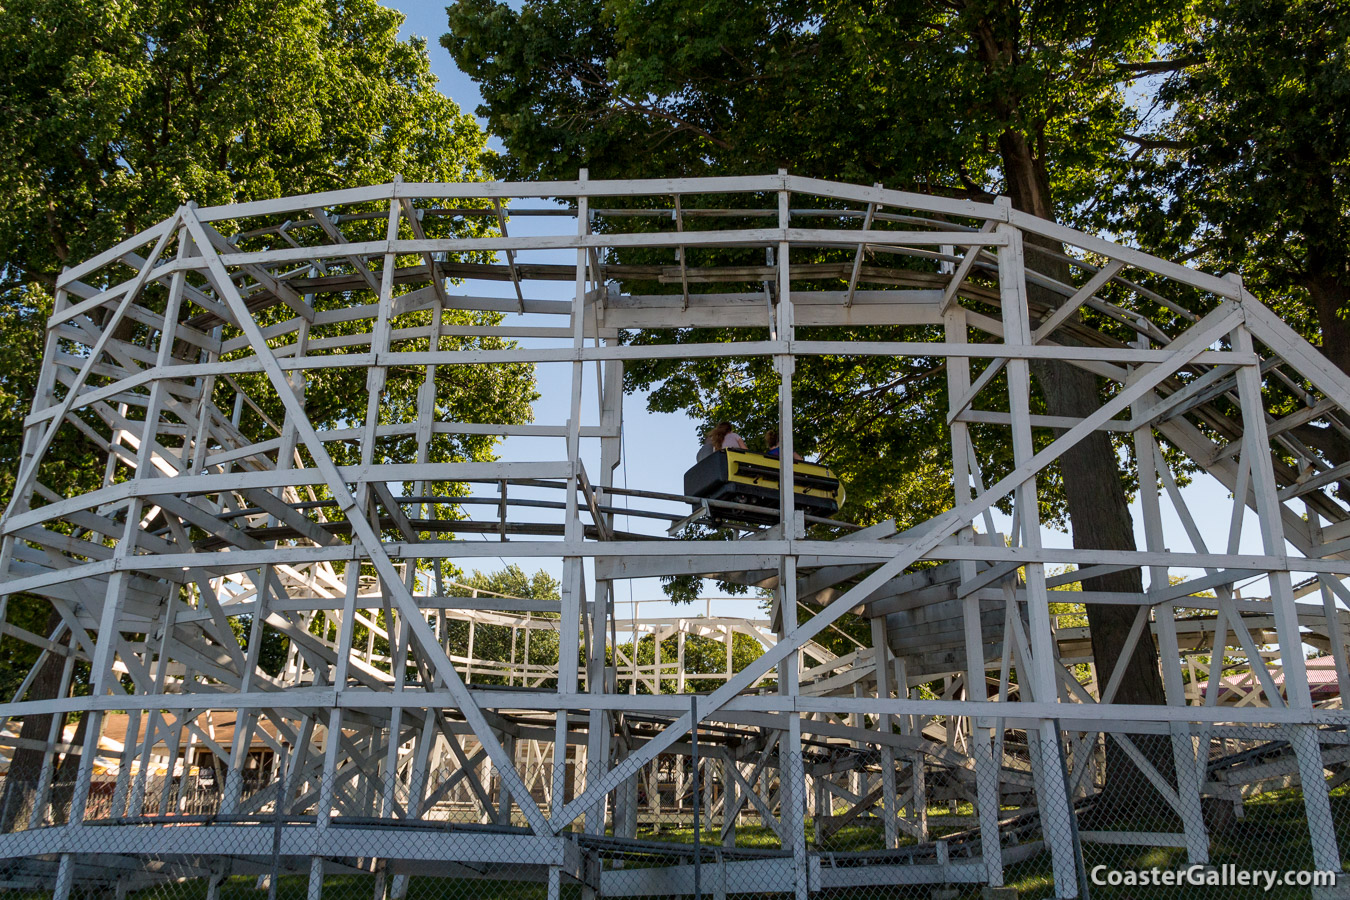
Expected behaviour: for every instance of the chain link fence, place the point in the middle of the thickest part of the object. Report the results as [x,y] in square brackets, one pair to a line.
[1173,811]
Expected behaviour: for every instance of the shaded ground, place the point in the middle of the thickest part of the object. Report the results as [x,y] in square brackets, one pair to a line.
[1272,835]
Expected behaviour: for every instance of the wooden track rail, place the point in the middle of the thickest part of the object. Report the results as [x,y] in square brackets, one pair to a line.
[406,707]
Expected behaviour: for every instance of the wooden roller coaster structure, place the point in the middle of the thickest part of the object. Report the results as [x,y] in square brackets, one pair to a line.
[389,742]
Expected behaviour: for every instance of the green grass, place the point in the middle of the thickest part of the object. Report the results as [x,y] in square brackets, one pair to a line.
[357,887]
[1272,835]
[759,837]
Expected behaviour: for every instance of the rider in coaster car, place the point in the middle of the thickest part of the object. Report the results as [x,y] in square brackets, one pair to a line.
[720,437]
[771,441]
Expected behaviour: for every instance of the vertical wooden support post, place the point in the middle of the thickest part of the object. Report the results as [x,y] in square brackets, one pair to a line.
[785,364]
[122,783]
[396,628]
[605,677]
[101,665]
[678,798]
[918,774]
[600,723]
[315,889]
[792,775]
[417,788]
[139,788]
[981,738]
[889,800]
[626,812]
[1169,649]
[398,650]
[1336,635]
[323,809]
[43,794]
[1303,737]
[503,816]
[1335,631]
[680,635]
[816,806]
[1050,788]
[65,877]
[731,799]
[568,628]
[654,792]
[856,778]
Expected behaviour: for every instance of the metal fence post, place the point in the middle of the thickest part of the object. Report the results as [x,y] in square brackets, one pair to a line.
[1078,863]
[695,802]
[276,827]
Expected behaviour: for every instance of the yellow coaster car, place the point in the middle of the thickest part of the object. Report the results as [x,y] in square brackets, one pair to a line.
[751,479]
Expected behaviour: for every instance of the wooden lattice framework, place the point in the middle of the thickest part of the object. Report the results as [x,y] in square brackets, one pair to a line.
[202,519]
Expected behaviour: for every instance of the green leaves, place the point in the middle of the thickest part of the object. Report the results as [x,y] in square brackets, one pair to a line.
[116,113]
[913,94]
[1248,171]
[513,582]
[120,112]
[963,99]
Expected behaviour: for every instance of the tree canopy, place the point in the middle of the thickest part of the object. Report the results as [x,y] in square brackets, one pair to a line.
[914,94]
[115,114]
[513,581]
[966,98]
[1247,170]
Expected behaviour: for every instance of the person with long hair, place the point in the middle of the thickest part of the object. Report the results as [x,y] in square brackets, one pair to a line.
[720,437]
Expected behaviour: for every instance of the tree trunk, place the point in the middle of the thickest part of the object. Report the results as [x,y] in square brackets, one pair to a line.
[63,777]
[1098,509]
[1331,298]
[25,768]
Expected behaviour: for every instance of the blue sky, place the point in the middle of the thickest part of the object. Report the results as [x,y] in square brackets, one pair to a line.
[427,20]
[658,448]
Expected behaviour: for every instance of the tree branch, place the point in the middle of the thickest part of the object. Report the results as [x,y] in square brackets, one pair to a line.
[1157,66]
[976,191]
[679,123]
[598,79]
[1146,143]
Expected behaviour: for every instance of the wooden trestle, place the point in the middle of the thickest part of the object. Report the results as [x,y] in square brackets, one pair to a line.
[185,354]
